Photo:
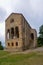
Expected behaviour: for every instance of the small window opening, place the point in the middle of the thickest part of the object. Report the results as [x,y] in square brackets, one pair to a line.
[16,43]
[12,44]
[8,44]
[12,20]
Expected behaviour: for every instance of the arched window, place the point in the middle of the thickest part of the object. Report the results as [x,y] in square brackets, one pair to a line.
[8,34]
[32,36]
[12,32]
[17,32]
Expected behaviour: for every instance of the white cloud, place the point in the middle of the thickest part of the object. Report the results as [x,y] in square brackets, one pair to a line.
[6,4]
[3,14]
[2,28]
[2,33]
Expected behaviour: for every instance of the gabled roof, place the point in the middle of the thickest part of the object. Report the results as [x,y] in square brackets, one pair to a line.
[17,14]
[13,14]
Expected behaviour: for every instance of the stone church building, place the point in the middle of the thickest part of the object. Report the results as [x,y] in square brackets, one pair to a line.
[18,33]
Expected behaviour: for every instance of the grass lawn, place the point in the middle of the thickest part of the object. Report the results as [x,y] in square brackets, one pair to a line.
[2,53]
[33,58]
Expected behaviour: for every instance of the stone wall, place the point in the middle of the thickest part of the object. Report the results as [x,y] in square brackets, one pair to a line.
[24,41]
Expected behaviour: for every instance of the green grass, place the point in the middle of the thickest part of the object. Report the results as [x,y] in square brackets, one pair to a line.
[33,58]
[2,53]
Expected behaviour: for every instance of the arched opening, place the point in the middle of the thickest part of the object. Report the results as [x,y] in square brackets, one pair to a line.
[12,33]
[8,34]
[32,36]
[17,32]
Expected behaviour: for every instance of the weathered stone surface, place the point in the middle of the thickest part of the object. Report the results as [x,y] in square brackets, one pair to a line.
[24,41]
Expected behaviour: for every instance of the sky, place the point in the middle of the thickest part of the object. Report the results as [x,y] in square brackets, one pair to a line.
[31,9]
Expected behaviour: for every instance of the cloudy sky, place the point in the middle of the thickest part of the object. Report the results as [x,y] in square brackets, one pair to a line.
[31,9]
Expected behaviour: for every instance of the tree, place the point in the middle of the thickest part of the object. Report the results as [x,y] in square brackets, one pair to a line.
[1,47]
[41,30]
[40,38]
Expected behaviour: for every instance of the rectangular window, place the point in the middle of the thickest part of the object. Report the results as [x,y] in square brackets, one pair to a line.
[16,43]
[8,44]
